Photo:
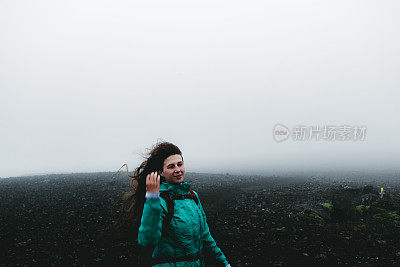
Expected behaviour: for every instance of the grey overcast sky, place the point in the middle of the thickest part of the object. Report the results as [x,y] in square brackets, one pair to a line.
[88,85]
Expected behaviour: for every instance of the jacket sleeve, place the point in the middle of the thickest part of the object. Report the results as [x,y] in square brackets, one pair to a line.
[209,242]
[151,222]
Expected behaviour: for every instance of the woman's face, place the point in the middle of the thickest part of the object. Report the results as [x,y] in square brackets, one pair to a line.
[173,169]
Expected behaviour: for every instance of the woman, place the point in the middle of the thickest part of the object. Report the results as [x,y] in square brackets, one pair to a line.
[179,235]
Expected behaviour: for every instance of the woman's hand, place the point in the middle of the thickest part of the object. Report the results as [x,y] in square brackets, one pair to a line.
[153,182]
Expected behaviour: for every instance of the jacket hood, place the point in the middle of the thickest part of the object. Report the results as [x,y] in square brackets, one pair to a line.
[175,189]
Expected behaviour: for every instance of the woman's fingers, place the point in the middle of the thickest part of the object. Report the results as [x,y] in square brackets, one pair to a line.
[149,179]
[153,182]
[153,177]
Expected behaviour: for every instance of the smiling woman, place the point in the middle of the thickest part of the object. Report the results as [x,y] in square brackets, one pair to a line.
[173,169]
[172,226]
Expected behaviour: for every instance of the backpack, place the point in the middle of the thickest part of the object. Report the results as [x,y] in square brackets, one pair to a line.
[146,253]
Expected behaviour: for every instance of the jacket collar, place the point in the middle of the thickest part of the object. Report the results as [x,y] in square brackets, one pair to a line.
[175,189]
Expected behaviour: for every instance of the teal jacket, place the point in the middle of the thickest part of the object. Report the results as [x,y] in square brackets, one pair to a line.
[188,232]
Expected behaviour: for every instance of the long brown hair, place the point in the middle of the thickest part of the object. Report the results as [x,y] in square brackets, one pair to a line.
[134,198]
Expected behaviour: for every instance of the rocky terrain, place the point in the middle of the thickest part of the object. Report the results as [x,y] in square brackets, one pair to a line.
[66,219]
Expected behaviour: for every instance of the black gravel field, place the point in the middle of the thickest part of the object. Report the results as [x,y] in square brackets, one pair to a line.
[66,219]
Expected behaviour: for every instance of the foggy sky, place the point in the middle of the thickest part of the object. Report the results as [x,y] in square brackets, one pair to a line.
[88,85]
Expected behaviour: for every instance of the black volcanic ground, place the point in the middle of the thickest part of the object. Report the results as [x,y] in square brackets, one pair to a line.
[256,221]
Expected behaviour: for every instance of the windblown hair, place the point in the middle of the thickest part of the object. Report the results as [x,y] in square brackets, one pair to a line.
[134,198]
